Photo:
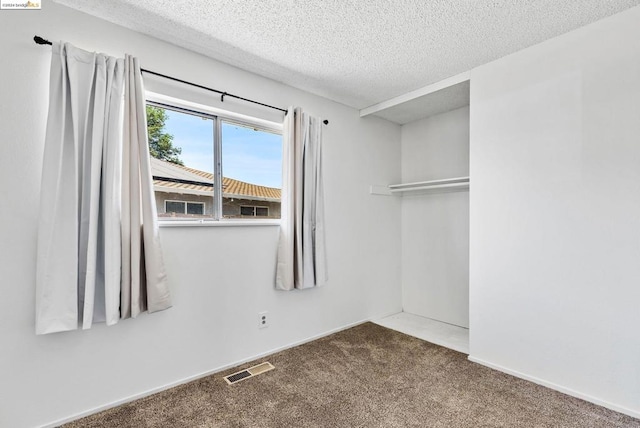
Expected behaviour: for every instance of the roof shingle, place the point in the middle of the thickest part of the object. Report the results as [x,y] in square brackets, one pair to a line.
[168,176]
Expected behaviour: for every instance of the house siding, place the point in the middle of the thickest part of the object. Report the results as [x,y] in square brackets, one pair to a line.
[230,206]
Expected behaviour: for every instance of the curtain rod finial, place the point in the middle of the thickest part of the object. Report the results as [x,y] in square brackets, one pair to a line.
[40,41]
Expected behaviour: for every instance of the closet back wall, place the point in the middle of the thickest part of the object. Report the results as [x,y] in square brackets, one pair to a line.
[435,226]
[221,277]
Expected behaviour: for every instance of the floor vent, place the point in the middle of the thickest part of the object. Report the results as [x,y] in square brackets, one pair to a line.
[250,372]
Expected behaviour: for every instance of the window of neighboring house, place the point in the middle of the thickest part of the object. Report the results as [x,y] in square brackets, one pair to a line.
[184,207]
[204,166]
[196,208]
[174,207]
[254,211]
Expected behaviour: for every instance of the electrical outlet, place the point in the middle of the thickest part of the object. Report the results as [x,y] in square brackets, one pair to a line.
[263,319]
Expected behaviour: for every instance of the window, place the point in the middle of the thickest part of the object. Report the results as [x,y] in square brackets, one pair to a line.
[174,207]
[254,211]
[250,211]
[196,208]
[184,207]
[211,167]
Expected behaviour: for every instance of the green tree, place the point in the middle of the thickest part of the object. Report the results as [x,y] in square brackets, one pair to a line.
[160,142]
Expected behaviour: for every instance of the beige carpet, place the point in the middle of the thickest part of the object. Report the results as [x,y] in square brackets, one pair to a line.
[367,376]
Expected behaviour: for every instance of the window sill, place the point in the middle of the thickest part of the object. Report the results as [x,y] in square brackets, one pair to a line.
[218,223]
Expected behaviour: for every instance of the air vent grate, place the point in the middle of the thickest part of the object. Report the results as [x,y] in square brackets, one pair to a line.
[238,376]
[250,372]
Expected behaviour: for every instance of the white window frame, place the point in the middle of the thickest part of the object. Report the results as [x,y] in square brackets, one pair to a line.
[218,116]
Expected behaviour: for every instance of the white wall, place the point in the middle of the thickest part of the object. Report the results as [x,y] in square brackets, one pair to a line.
[435,226]
[220,276]
[555,212]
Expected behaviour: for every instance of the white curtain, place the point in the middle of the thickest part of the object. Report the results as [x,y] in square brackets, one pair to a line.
[302,259]
[83,249]
[144,280]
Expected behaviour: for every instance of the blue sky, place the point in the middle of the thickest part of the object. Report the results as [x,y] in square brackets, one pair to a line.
[247,155]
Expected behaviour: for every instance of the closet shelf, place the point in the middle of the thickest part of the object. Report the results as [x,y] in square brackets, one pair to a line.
[447,183]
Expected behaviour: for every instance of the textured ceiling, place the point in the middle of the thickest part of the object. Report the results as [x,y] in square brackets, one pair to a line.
[357,52]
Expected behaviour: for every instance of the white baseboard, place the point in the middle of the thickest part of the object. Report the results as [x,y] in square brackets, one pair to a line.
[551,385]
[195,377]
[385,315]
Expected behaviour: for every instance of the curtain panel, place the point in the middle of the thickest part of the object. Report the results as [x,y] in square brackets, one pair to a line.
[97,231]
[302,259]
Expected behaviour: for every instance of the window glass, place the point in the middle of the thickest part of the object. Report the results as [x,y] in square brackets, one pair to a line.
[247,211]
[195,208]
[252,169]
[181,147]
[174,207]
[262,211]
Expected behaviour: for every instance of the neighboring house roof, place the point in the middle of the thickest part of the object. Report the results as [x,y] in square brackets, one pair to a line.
[172,178]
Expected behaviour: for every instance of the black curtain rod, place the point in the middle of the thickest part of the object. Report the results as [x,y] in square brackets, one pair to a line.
[40,41]
[222,94]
